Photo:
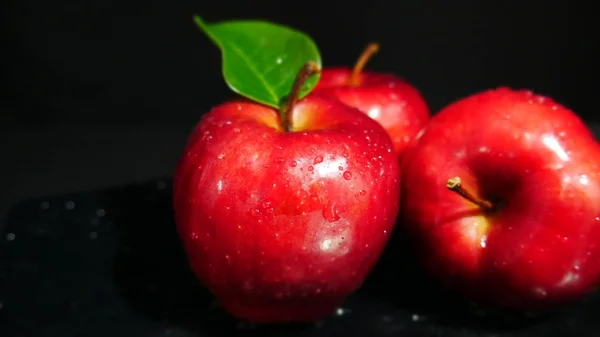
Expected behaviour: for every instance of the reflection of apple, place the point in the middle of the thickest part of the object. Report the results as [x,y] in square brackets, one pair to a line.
[397,105]
[281,221]
[526,232]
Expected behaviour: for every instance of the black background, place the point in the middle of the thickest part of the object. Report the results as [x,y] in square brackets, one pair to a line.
[102,93]
[125,61]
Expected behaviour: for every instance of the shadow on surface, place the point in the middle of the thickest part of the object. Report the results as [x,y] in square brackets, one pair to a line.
[151,269]
[110,262]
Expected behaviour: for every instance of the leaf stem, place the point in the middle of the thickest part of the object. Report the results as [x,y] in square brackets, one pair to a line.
[371,49]
[455,185]
[309,69]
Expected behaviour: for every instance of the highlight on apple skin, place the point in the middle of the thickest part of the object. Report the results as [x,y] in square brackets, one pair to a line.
[393,102]
[283,226]
[501,192]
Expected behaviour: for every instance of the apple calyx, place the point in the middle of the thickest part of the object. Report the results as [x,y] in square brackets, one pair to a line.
[371,49]
[309,69]
[455,185]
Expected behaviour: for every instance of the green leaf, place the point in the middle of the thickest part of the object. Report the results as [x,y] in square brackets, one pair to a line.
[261,59]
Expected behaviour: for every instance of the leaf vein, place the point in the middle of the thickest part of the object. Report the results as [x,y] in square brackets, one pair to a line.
[258,74]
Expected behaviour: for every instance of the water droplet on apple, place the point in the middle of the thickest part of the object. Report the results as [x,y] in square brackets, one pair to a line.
[540,292]
[362,192]
[293,163]
[228,258]
[330,212]
[345,154]
[318,159]
[194,236]
[598,218]
[255,212]
[237,130]
[341,168]
[384,232]
[310,168]
[221,156]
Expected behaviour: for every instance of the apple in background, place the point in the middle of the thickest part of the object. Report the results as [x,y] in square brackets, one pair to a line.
[397,105]
[282,220]
[502,193]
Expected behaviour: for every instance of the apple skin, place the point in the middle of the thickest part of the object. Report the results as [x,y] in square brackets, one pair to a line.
[539,162]
[397,105]
[282,226]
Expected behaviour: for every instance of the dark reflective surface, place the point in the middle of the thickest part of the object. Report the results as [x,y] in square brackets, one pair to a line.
[109,262]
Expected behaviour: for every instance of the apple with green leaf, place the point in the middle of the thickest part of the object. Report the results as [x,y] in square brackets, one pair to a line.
[283,209]
[502,193]
[393,102]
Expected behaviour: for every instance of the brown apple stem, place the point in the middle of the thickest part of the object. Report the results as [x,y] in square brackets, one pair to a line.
[455,185]
[309,69]
[366,55]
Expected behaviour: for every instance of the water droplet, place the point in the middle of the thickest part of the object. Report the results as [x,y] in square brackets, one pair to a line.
[347,175]
[341,168]
[362,192]
[330,212]
[340,311]
[293,163]
[221,156]
[540,292]
[44,205]
[69,205]
[318,159]
[255,212]
[310,168]
[194,236]
[100,213]
[415,317]
[10,236]
[345,154]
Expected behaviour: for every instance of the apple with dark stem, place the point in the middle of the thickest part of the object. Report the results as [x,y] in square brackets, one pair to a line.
[282,217]
[502,193]
[396,104]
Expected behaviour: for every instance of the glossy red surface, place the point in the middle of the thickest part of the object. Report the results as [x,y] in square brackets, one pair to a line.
[541,165]
[282,226]
[394,103]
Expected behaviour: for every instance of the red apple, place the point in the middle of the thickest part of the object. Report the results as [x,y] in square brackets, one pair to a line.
[282,220]
[523,230]
[397,105]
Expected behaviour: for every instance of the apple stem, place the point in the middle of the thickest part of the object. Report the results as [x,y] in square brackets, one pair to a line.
[366,55]
[309,69]
[455,185]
